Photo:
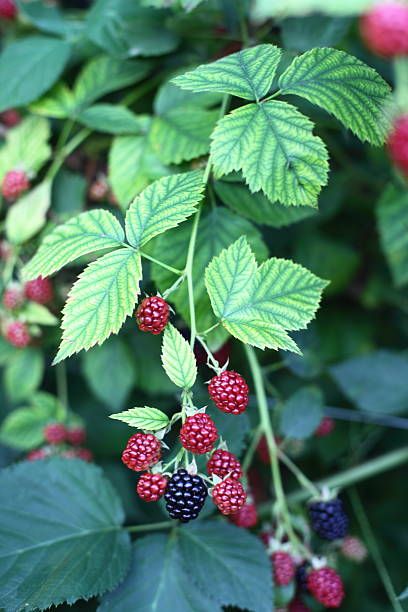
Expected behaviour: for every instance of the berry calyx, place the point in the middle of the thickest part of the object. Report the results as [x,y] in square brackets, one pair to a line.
[14,184]
[152,314]
[39,290]
[354,549]
[222,463]
[8,10]
[229,392]
[246,517]
[384,29]
[141,452]
[151,487]
[76,435]
[398,143]
[185,496]
[198,433]
[17,334]
[325,427]
[329,519]
[229,496]
[55,433]
[13,297]
[326,586]
[283,567]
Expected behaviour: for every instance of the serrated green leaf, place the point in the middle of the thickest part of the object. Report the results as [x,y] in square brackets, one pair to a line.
[392,219]
[344,86]
[90,231]
[169,97]
[26,217]
[257,207]
[164,204]
[100,300]
[273,145]
[112,119]
[178,358]
[23,373]
[302,413]
[264,9]
[26,146]
[59,103]
[247,74]
[182,133]
[147,418]
[73,517]
[259,305]
[37,314]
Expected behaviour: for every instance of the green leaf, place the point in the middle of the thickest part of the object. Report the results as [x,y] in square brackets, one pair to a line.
[100,300]
[302,413]
[257,207]
[109,372]
[23,374]
[104,75]
[182,134]
[23,428]
[259,305]
[170,97]
[30,66]
[392,220]
[111,118]
[147,418]
[133,165]
[90,231]
[26,217]
[272,143]
[37,314]
[26,146]
[220,554]
[264,9]
[164,204]
[68,194]
[178,358]
[61,519]
[377,382]
[59,102]
[310,31]
[247,74]
[217,229]
[344,86]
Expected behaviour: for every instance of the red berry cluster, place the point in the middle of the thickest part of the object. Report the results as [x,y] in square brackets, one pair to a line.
[141,452]
[62,441]
[152,314]
[151,487]
[198,433]
[229,495]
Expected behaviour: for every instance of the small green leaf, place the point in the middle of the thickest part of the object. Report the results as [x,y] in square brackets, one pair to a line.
[26,146]
[163,205]
[302,413]
[100,300]
[259,305]
[392,219]
[23,374]
[178,359]
[90,231]
[344,86]
[37,314]
[112,119]
[25,218]
[182,133]
[147,418]
[247,74]
[58,103]
[274,147]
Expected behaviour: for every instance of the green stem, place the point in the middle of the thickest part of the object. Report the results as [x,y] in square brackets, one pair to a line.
[303,480]
[162,264]
[374,549]
[272,96]
[210,329]
[143,89]
[274,367]
[150,527]
[62,386]
[211,358]
[65,151]
[266,426]
[189,275]
[246,464]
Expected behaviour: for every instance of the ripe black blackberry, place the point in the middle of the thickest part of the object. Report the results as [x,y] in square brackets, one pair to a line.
[185,496]
[329,519]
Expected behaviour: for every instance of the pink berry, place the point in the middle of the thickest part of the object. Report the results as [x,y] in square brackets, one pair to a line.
[398,144]
[385,29]
[141,452]
[76,435]
[37,454]
[17,334]
[198,433]
[354,549]
[10,117]
[326,586]
[325,427]
[39,290]
[229,496]
[8,10]
[151,487]
[14,184]
[222,463]
[13,297]
[246,517]
[283,567]
[55,433]
[152,315]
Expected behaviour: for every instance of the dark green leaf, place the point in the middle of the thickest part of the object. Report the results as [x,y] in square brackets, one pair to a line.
[302,413]
[24,373]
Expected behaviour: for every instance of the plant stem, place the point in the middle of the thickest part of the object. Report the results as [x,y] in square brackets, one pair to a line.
[374,549]
[150,527]
[266,426]
[143,89]
[162,264]
[189,276]
[210,329]
[62,387]
[273,367]
[65,151]
[211,359]
[301,477]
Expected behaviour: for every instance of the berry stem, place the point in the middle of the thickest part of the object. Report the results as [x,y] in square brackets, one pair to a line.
[189,276]
[62,386]
[303,480]
[374,549]
[213,363]
[150,527]
[266,425]
[162,264]
[210,329]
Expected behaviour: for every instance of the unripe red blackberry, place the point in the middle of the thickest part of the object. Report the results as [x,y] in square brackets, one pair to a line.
[354,549]
[151,487]
[326,586]
[385,29]
[222,463]
[55,433]
[185,496]
[141,452]
[229,496]
[35,455]
[13,297]
[398,143]
[283,567]
[8,10]
[246,517]
[325,427]
[14,184]
[152,314]
[198,433]
[10,117]
[229,392]
[17,334]
[76,435]
[39,290]
[78,453]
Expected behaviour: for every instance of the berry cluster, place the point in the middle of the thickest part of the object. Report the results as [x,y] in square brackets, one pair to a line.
[62,441]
